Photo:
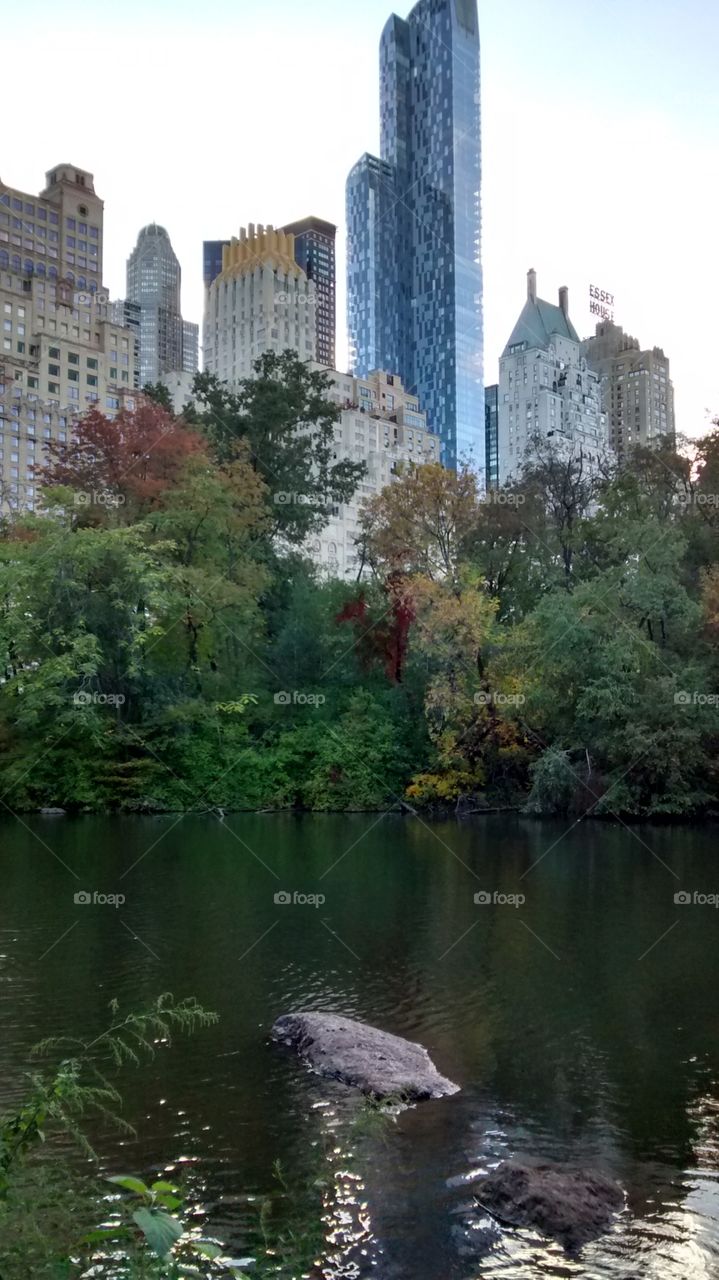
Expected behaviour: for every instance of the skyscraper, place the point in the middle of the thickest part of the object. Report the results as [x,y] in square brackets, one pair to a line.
[63,349]
[261,301]
[212,260]
[153,281]
[414,276]
[491,427]
[637,391]
[547,390]
[315,253]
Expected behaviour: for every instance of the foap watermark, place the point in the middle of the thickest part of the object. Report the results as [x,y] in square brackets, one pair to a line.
[695,699]
[86,698]
[699,499]
[99,498]
[487,898]
[299,699]
[685,898]
[302,298]
[283,898]
[502,498]
[297,500]
[95,899]
[484,698]
[90,299]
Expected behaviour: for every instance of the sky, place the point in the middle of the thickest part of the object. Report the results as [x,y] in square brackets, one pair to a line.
[600,135]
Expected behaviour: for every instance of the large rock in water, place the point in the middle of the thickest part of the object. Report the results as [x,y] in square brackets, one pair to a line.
[571,1206]
[374,1061]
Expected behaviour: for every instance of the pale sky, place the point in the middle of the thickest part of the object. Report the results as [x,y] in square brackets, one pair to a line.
[600,127]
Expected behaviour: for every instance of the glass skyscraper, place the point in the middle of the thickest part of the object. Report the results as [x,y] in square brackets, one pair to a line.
[414,275]
[167,343]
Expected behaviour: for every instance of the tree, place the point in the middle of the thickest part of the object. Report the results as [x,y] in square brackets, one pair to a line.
[160,394]
[565,485]
[285,420]
[120,467]
[421,524]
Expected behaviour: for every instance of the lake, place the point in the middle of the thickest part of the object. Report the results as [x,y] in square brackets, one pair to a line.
[577,1008]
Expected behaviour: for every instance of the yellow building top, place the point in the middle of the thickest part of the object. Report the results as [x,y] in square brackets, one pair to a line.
[256,246]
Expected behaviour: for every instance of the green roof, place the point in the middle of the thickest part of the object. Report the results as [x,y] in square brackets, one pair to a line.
[539,322]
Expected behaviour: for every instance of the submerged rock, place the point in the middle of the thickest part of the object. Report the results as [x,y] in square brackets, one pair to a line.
[374,1061]
[572,1206]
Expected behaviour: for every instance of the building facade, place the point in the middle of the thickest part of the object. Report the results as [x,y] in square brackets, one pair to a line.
[63,350]
[179,386]
[261,301]
[491,435]
[382,425]
[414,275]
[315,253]
[373,307]
[637,390]
[128,316]
[153,283]
[546,389]
[212,260]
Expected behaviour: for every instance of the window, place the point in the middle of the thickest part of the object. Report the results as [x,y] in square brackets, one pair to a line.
[73,358]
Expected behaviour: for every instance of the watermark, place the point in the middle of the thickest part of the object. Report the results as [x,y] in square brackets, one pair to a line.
[486,699]
[496,899]
[686,899]
[695,699]
[289,299]
[698,499]
[87,298]
[297,499]
[502,498]
[84,698]
[283,898]
[299,699]
[103,498]
[86,899]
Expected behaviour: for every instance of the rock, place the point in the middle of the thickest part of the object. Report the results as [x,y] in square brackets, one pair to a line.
[572,1206]
[374,1061]
[52,813]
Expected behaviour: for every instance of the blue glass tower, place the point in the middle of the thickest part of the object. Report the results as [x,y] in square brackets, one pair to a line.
[414,275]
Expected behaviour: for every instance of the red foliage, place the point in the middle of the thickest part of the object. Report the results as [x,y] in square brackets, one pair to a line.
[403,615]
[386,641]
[353,611]
[136,455]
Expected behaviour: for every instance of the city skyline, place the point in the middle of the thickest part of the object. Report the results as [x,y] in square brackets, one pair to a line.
[622,128]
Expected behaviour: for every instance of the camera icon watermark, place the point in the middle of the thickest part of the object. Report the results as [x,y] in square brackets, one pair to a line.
[283,898]
[86,698]
[683,898]
[695,699]
[99,498]
[483,898]
[83,898]
[500,498]
[302,298]
[288,499]
[299,699]
[485,698]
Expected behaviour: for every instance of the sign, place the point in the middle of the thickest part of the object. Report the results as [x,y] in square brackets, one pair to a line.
[601,303]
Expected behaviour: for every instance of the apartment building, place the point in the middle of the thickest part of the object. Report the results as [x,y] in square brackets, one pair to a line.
[383,426]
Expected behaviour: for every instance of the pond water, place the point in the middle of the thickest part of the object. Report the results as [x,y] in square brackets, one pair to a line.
[578,1010]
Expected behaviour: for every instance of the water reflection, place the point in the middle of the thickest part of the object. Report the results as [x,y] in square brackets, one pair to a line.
[602,1050]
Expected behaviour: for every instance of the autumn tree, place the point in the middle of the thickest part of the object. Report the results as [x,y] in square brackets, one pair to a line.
[120,465]
[421,524]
